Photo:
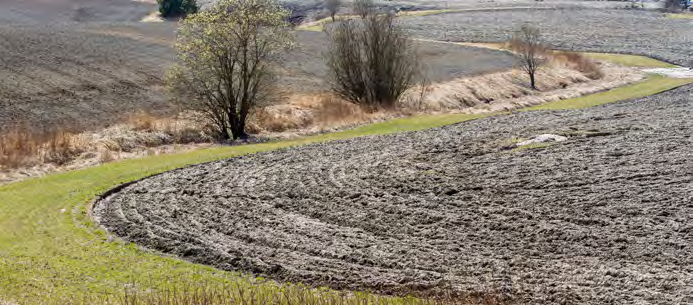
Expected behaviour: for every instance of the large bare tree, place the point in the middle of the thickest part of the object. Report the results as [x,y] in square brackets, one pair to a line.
[527,43]
[372,61]
[225,60]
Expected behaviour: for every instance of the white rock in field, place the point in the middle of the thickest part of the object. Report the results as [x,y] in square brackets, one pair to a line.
[542,139]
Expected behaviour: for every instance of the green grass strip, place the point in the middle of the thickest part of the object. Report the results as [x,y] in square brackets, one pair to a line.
[680,16]
[47,254]
[652,85]
[630,60]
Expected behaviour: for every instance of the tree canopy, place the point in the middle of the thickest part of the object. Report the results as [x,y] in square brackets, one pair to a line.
[225,60]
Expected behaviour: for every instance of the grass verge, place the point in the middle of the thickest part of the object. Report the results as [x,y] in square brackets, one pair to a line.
[680,16]
[52,252]
[630,60]
[652,85]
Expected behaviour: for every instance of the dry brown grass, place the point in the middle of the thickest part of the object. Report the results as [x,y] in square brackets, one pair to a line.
[308,112]
[571,60]
[335,112]
[142,121]
[201,294]
[23,146]
[276,120]
[579,62]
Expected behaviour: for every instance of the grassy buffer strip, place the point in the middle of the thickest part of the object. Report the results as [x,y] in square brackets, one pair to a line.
[50,249]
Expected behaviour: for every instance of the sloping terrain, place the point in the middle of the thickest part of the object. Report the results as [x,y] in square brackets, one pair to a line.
[64,76]
[616,31]
[599,218]
[304,69]
[65,11]
[79,74]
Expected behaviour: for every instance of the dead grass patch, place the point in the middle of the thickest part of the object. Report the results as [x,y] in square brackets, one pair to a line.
[578,62]
[293,294]
[568,59]
[24,146]
[309,112]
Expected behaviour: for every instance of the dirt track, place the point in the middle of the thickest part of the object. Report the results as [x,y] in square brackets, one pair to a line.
[603,218]
[616,31]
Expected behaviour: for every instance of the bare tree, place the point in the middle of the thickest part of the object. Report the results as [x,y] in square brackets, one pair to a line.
[363,7]
[372,61]
[527,43]
[225,57]
[333,7]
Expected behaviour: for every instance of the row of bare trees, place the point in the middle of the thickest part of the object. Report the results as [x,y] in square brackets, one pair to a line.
[227,56]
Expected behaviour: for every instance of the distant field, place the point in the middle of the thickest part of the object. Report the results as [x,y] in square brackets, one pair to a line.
[63,11]
[646,33]
[67,76]
[84,75]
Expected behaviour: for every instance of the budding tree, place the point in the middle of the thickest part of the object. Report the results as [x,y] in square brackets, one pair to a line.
[226,57]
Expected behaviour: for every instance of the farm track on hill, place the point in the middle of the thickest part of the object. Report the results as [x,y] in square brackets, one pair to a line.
[448,208]
[613,31]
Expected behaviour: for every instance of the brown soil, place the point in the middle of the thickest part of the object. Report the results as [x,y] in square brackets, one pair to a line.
[601,218]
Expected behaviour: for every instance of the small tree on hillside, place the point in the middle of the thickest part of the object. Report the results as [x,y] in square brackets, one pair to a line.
[225,60]
[528,45]
[363,7]
[372,61]
[333,7]
[173,8]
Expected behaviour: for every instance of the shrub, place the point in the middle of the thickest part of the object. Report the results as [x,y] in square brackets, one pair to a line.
[372,61]
[581,63]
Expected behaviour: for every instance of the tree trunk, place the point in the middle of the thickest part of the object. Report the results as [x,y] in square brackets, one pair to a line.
[239,131]
[224,134]
[532,82]
[237,126]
